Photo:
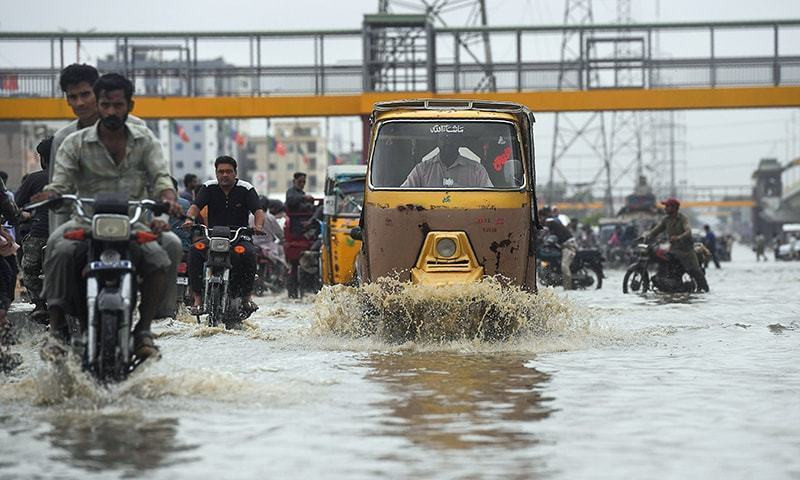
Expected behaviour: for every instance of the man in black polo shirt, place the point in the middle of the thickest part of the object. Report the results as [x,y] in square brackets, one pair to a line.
[230,202]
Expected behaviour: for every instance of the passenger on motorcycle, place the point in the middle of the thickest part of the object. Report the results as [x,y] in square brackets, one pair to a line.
[111,156]
[230,202]
[565,239]
[34,242]
[676,225]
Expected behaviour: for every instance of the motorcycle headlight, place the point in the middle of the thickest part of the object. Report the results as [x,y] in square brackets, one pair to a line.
[219,245]
[111,228]
[446,247]
[110,256]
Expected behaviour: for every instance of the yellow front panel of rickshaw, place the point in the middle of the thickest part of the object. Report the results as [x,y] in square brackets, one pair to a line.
[339,261]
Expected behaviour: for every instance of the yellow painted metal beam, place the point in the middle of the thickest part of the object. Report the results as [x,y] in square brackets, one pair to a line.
[361,104]
[686,204]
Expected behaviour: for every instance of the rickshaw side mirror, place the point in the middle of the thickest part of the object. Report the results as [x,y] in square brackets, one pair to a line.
[356,233]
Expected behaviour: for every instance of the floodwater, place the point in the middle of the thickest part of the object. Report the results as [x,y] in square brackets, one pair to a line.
[600,385]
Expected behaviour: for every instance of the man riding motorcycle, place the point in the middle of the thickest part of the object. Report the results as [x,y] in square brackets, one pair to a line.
[677,228]
[111,156]
[565,239]
[230,202]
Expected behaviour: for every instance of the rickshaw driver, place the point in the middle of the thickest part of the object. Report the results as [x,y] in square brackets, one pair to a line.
[448,168]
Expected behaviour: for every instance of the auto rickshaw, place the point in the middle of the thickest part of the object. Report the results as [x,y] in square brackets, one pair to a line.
[344,196]
[450,194]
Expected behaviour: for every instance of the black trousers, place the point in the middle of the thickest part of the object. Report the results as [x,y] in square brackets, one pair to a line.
[243,269]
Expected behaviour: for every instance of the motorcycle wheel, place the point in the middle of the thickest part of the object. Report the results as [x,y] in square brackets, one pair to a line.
[598,276]
[107,364]
[278,284]
[215,312]
[636,280]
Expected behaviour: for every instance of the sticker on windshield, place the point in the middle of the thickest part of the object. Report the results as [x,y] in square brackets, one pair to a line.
[445,128]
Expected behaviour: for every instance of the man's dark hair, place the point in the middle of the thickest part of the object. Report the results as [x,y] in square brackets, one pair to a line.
[707,227]
[225,159]
[113,81]
[298,175]
[188,178]
[77,73]
[43,149]
[4,176]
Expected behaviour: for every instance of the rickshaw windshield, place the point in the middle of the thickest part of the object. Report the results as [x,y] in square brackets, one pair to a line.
[349,196]
[447,155]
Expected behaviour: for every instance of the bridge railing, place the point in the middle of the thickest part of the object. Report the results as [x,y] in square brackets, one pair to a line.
[330,62]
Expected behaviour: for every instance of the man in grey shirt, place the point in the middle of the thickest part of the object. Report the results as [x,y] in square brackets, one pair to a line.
[448,169]
[76,82]
[110,156]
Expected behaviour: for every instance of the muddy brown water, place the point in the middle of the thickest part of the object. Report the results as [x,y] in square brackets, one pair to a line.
[592,384]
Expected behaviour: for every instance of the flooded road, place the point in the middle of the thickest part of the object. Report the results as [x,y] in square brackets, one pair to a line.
[621,386]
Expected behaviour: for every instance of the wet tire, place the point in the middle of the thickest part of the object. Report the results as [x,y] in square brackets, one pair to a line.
[215,312]
[107,365]
[636,280]
[598,277]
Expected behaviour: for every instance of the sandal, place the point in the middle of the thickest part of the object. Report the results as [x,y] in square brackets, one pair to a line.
[144,347]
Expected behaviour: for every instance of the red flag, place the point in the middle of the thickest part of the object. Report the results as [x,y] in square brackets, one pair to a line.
[10,82]
[239,139]
[280,149]
[178,130]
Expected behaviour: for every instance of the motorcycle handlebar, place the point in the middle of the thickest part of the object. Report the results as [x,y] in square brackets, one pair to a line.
[158,208]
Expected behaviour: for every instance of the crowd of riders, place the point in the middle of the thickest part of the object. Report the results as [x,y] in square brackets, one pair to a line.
[107,149]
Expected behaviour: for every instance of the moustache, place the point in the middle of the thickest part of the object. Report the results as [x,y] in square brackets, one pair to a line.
[113,122]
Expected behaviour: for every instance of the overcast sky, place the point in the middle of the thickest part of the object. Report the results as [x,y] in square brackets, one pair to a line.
[721,147]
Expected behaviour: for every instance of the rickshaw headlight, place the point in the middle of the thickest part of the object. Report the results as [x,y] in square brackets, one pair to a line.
[446,247]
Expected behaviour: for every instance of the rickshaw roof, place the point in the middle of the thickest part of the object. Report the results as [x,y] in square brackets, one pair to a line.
[447,107]
[335,171]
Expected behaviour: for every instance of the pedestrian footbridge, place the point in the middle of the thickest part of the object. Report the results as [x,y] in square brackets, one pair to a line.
[659,66]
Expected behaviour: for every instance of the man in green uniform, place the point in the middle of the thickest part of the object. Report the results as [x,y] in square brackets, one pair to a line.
[680,236]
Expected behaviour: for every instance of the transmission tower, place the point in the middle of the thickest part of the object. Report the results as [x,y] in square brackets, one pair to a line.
[626,132]
[450,13]
[574,132]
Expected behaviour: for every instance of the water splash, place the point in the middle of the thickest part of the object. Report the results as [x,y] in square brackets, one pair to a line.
[485,311]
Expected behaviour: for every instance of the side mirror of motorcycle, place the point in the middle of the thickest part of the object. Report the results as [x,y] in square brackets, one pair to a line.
[356,233]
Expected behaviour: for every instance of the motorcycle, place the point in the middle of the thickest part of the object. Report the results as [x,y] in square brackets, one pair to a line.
[218,304]
[272,266]
[183,296]
[308,272]
[586,268]
[103,335]
[670,276]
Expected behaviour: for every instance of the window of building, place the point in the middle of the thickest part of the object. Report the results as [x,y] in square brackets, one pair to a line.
[289,183]
[198,145]
[179,146]
[198,127]
[179,165]
[312,181]
[312,163]
[290,166]
[273,183]
[311,147]
[198,165]
[272,166]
